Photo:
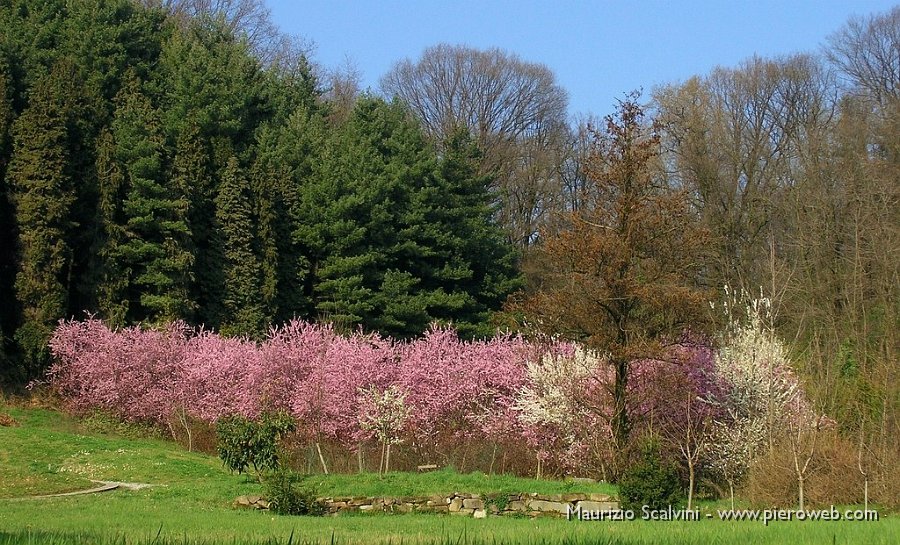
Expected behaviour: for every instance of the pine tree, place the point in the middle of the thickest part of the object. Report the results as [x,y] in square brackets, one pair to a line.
[156,224]
[478,268]
[244,313]
[43,193]
[7,225]
[192,178]
[112,273]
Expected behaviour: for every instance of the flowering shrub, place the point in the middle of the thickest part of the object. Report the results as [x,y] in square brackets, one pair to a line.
[549,398]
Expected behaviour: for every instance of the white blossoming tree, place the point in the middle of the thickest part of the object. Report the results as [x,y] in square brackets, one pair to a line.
[383,413]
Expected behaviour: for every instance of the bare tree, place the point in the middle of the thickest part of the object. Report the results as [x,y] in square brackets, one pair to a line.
[249,19]
[867,51]
[514,109]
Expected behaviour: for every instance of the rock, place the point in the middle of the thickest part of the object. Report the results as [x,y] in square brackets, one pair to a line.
[366,507]
[262,504]
[516,505]
[597,505]
[242,501]
[456,504]
[574,497]
[479,514]
[599,497]
[473,503]
[545,506]
[427,467]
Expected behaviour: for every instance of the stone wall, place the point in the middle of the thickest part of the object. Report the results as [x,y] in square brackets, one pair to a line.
[475,505]
[472,505]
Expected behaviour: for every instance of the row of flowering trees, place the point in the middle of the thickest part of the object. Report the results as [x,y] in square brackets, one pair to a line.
[551,399]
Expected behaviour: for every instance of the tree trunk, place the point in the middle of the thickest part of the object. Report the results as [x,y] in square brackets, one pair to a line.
[359,456]
[620,423]
[800,486]
[321,458]
[387,460]
[731,489]
[493,458]
[690,499]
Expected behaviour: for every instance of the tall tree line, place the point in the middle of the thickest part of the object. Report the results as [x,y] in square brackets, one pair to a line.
[160,161]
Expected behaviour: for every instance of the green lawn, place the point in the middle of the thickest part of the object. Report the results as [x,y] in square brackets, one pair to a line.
[192,504]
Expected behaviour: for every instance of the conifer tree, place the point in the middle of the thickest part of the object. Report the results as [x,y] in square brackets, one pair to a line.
[110,269]
[244,313]
[43,193]
[192,177]
[7,226]
[155,249]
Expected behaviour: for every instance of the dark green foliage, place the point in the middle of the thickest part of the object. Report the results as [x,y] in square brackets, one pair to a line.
[288,496]
[155,214]
[404,238]
[152,171]
[192,177]
[650,481]
[110,267]
[43,192]
[244,313]
[243,443]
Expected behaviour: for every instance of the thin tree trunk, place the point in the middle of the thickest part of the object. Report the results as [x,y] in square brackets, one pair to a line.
[731,489]
[321,458]
[690,501]
[493,457]
[359,456]
[387,460]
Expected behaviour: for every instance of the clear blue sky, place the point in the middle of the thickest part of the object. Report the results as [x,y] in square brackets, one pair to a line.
[598,49]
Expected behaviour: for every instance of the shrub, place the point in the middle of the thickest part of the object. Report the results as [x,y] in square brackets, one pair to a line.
[243,442]
[288,496]
[650,481]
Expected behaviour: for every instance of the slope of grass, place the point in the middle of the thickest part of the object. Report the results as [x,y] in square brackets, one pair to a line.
[192,505]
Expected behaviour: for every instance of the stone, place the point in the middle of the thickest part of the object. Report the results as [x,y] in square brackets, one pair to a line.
[456,504]
[366,507]
[599,497]
[597,506]
[473,503]
[574,497]
[479,514]
[464,512]
[262,504]
[516,505]
[242,501]
[545,506]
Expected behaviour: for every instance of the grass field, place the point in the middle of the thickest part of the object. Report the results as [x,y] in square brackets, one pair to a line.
[191,503]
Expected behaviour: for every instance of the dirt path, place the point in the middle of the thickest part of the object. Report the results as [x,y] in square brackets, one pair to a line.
[104,486]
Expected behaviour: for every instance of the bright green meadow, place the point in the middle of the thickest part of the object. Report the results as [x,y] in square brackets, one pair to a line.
[192,497]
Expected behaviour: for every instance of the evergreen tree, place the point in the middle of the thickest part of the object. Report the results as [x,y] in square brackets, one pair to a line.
[157,231]
[244,314]
[43,193]
[283,181]
[192,177]
[112,273]
[7,226]
[468,254]
[403,238]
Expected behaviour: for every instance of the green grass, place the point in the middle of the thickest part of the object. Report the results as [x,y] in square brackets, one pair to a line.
[445,481]
[50,452]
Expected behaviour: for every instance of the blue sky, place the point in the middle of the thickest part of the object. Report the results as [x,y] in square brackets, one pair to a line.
[599,50]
